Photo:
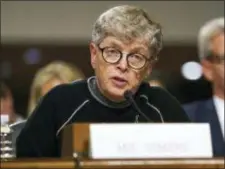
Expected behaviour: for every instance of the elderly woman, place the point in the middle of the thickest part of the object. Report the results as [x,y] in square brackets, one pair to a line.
[125,44]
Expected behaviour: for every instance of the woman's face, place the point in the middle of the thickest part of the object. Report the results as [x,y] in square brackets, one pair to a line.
[50,84]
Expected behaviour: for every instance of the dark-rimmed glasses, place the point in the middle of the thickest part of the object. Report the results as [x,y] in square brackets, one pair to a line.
[219,59]
[113,56]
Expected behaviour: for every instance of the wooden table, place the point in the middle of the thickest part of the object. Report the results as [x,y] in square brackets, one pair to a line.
[216,163]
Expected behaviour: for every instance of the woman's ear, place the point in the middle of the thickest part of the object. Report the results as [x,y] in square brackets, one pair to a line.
[93,52]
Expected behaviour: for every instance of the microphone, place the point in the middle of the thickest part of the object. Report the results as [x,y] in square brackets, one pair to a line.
[129,97]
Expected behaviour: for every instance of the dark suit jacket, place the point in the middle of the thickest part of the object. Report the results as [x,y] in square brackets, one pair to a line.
[205,111]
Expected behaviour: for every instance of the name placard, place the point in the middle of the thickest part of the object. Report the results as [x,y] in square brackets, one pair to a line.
[172,140]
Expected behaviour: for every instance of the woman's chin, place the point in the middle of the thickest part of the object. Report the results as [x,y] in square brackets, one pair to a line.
[116,95]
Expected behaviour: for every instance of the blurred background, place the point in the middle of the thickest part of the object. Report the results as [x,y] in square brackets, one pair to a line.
[34,34]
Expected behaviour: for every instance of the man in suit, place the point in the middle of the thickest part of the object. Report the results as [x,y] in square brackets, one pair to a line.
[211,52]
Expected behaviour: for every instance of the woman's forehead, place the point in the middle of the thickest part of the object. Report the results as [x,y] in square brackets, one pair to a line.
[131,44]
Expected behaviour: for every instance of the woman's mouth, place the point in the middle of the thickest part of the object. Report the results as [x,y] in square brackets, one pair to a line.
[119,82]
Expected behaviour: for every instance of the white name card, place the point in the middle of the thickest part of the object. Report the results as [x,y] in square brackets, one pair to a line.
[172,140]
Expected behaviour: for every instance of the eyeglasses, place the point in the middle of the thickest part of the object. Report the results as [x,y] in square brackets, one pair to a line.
[113,56]
[219,59]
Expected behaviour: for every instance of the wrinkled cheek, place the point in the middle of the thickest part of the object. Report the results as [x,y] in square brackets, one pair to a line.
[222,73]
[134,80]
[103,74]
[219,73]
[222,77]
[138,78]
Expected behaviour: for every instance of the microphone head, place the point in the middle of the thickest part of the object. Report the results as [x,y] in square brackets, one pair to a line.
[127,94]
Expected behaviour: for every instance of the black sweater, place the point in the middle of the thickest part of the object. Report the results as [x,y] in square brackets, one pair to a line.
[80,101]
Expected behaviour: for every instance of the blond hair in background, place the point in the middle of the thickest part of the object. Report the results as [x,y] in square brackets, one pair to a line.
[56,70]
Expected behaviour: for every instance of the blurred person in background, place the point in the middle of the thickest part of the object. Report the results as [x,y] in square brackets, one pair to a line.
[51,75]
[211,53]
[46,78]
[124,47]
[7,110]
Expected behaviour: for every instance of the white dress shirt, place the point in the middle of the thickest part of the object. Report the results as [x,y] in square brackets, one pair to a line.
[219,104]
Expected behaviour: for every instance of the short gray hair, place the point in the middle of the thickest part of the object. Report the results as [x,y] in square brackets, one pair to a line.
[127,23]
[206,33]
